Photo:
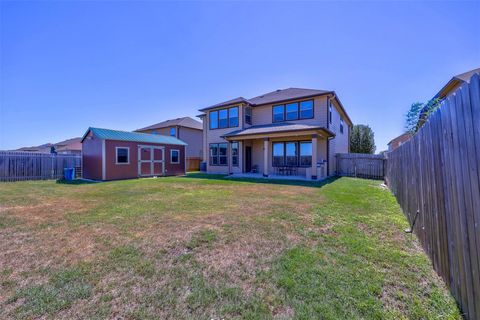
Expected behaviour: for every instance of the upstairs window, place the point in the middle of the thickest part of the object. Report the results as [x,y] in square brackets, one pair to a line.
[292,111]
[123,155]
[278,113]
[248,115]
[233,117]
[173,132]
[329,111]
[224,118]
[306,109]
[213,120]
[341,125]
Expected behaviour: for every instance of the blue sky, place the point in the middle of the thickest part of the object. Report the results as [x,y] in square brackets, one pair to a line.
[65,66]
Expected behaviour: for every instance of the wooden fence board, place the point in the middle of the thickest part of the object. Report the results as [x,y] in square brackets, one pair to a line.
[437,172]
[369,166]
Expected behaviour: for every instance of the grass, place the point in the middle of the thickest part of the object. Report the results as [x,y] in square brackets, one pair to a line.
[207,247]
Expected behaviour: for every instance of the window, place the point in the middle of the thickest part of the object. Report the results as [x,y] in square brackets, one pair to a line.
[341,125]
[235,154]
[291,153]
[278,113]
[213,120]
[173,132]
[154,132]
[306,109]
[329,111]
[248,115]
[305,153]
[218,154]
[278,154]
[292,111]
[224,118]
[174,156]
[123,155]
[233,117]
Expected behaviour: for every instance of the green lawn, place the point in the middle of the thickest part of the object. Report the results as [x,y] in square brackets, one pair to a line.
[205,247]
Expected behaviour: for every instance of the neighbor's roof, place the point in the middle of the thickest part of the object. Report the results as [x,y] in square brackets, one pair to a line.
[405,136]
[183,122]
[455,82]
[108,134]
[274,128]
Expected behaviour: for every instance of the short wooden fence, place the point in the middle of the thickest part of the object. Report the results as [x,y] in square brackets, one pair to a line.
[360,165]
[435,177]
[18,166]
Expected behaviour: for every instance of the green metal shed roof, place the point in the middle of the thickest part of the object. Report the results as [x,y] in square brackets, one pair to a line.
[108,134]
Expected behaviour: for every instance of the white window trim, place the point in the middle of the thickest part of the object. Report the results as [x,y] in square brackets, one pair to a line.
[171,156]
[116,155]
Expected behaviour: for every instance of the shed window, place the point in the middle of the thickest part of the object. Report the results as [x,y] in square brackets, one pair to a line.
[174,156]
[123,155]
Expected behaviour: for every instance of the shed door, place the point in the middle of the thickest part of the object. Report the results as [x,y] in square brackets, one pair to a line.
[150,161]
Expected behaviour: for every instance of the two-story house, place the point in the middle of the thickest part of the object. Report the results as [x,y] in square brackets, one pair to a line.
[285,132]
[186,129]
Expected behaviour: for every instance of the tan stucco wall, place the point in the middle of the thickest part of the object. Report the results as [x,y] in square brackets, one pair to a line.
[341,141]
[193,137]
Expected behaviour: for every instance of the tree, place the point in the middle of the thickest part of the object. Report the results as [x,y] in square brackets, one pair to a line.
[418,114]
[362,139]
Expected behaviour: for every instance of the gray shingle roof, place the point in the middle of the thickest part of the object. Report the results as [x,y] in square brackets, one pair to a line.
[286,94]
[108,134]
[228,102]
[273,128]
[184,122]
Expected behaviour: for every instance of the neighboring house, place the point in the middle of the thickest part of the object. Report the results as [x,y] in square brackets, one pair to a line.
[448,89]
[185,129]
[291,131]
[398,141]
[70,146]
[112,155]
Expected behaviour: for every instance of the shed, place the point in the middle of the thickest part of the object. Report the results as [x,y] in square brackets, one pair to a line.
[113,155]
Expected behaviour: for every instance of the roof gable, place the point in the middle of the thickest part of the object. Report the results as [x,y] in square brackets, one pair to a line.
[286,94]
[107,134]
[184,122]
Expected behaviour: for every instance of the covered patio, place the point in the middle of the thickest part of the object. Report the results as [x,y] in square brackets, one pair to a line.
[280,151]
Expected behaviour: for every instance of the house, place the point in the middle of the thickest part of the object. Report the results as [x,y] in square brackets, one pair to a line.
[69,146]
[398,141]
[447,89]
[292,131]
[112,155]
[186,129]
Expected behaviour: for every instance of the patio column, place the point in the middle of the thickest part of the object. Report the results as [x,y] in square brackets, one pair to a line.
[265,157]
[314,156]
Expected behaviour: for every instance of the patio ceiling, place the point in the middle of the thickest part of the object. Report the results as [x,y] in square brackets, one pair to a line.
[278,130]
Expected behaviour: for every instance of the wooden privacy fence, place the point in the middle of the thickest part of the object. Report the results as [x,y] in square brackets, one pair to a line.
[193,164]
[17,166]
[369,166]
[436,173]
